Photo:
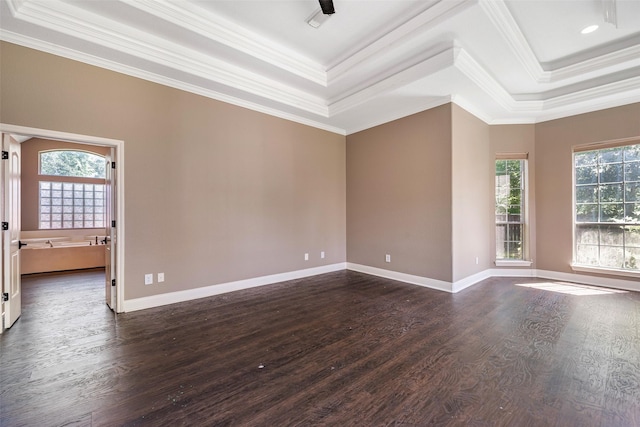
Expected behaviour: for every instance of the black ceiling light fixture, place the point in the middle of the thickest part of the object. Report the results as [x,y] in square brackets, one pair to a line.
[327,7]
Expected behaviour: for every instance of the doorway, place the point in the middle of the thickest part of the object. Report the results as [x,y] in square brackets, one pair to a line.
[114,238]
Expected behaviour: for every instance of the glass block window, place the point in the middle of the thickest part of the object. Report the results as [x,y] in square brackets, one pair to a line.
[607,207]
[71,205]
[510,209]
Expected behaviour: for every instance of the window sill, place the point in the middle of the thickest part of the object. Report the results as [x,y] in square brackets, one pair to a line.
[605,270]
[513,263]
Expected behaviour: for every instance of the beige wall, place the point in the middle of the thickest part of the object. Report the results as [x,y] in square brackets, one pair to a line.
[392,167]
[30,177]
[554,175]
[420,188]
[471,194]
[516,139]
[399,195]
[214,192]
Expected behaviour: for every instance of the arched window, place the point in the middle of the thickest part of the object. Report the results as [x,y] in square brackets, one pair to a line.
[72,163]
[72,195]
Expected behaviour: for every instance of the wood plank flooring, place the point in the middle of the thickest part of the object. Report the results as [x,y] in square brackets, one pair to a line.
[340,349]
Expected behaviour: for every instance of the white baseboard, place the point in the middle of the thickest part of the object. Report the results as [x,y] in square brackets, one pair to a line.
[427,282]
[402,277]
[607,282]
[457,286]
[512,272]
[441,285]
[468,281]
[207,291]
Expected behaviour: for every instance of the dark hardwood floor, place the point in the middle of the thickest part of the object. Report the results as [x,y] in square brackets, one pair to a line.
[340,349]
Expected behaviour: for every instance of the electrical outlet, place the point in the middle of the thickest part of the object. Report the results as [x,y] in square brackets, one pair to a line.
[148,279]
[387,258]
[160,277]
[306,257]
[322,254]
[477,260]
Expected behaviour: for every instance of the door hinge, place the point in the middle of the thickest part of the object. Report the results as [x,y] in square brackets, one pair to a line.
[113,165]
[113,282]
[5,226]
[5,155]
[5,296]
[113,223]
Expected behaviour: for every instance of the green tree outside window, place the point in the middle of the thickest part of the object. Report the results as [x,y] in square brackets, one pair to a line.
[72,163]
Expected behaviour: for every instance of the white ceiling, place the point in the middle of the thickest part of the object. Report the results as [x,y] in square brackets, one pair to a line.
[506,61]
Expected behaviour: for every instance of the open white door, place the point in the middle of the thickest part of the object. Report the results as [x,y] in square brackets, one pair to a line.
[110,240]
[115,247]
[11,291]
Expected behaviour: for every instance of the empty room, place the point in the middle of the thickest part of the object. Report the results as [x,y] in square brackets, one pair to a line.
[302,212]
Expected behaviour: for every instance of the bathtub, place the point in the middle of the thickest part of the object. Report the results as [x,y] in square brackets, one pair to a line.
[70,244]
[60,254]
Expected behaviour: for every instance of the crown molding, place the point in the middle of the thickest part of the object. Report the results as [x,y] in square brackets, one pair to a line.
[397,114]
[426,67]
[74,22]
[506,25]
[197,19]
[159,79]
[471,108]
[376,70]
[14,6]
[477,74]
[517,120]
[627,88]
[588,107]
[536,103]
[503,21]
[472,69]
[628,57]
[387,42]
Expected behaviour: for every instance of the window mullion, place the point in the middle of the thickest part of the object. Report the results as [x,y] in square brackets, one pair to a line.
[601,238]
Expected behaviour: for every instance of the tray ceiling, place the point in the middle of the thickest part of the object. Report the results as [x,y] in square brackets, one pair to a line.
[506,61]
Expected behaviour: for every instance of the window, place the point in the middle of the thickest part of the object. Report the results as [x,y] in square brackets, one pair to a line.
[607,208]
[72,163]
[71,205]
[78,199]
[510,180]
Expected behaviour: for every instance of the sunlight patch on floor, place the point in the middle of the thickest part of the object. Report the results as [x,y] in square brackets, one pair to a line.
[570,288]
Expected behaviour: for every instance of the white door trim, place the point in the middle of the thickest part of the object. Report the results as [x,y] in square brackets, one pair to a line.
[119,159]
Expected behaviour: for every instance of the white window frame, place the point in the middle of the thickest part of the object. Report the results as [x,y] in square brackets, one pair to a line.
[590,268]
[525,260]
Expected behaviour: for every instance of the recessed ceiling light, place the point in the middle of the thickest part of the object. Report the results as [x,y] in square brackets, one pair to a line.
[589,29]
